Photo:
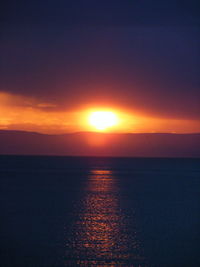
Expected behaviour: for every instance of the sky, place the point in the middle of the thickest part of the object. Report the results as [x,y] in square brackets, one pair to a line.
[60,60]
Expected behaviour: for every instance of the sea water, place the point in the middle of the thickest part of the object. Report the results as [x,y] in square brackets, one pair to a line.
[83,211]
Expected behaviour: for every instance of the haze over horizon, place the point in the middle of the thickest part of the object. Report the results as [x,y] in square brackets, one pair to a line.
[100,144]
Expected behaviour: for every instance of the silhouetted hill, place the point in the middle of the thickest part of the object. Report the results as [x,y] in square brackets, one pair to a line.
[100,144]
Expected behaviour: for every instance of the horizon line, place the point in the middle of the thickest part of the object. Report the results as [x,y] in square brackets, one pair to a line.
[96,132]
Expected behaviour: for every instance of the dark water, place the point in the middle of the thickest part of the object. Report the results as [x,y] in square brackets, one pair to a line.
[65,211]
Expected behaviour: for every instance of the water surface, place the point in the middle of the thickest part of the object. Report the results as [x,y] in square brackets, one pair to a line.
[71,211]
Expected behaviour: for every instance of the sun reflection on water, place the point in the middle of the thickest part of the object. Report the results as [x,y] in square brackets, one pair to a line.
[100,237]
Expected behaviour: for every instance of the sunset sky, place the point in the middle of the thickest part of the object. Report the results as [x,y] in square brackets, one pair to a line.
[64,60]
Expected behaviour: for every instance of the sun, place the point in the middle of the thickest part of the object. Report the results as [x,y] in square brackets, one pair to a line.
[101,120]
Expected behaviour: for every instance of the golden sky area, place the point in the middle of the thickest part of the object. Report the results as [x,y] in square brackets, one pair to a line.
[29,114]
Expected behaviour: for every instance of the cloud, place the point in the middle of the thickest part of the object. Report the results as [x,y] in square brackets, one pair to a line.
[151,70]
[16,100]
[30,114]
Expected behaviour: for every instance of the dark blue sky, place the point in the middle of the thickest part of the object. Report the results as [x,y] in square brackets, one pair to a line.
[142,55]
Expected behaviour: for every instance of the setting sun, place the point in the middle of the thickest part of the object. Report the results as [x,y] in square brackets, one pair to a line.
[101,120]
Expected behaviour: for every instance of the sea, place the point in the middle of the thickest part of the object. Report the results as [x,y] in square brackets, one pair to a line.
[90,211]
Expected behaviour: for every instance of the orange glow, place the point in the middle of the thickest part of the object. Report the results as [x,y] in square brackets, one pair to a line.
[101,120]
[30,114]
